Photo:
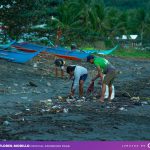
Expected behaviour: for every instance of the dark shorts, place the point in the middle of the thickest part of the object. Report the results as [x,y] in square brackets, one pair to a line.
[59,62]
[109,77]
[83,77]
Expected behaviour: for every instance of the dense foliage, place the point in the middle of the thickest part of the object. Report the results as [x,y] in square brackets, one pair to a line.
[128,4]
[79,19]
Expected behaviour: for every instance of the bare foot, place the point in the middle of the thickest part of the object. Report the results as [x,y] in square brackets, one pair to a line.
[101,100]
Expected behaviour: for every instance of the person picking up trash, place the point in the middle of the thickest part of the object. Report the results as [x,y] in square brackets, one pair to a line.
[79,75]
[104,67]
[59,63]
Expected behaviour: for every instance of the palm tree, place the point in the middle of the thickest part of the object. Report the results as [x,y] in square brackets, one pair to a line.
[113,22]
[83,15]
[143,22]
[97,17]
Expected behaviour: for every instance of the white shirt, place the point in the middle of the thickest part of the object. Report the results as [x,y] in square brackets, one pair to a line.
[78,72]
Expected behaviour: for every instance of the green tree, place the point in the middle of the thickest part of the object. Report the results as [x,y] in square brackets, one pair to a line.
[143,22]
[19,16]
[112,22]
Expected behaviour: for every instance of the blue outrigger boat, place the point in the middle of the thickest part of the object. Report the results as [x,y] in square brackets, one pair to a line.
[57,51]
[5,46]
[29,50]
[18,56]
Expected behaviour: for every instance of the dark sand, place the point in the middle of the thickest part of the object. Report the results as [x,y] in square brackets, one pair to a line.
[27,113]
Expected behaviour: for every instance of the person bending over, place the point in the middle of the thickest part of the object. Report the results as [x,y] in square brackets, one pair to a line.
[79,75]
[103,67]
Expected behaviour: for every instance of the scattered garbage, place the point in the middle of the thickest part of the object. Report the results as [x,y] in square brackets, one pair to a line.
[107,107]
[65,110]
[22,119]
[6,123]
[60,98]
[135,98]
[24,98]
[144,103]
[80,100]
[43,110]
[18,113]
[48,102]
[94,98]
[83,98]
[35,65]
[15,84]
[48,84]
[68,100]
[122,109]
[78,105]
[56,107]
[136,101]
[19,69]
[27,109]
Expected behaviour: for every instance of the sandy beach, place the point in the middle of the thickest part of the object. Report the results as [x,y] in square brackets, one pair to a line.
[34,103]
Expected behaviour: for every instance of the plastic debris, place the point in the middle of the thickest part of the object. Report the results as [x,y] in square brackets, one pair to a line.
[48,84]
[94,98]
[144,103]
[43,110]
[135,98]
[19,69]
[56,107]
[83,98]
[25,98]
[107,107]
[35,65]
[6,123]
[80,100]
[60,98]
[22,119]
[78,105]
[65,110]
[70,100]
[19,113]
[122,109]
[49,102]
[15,84]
